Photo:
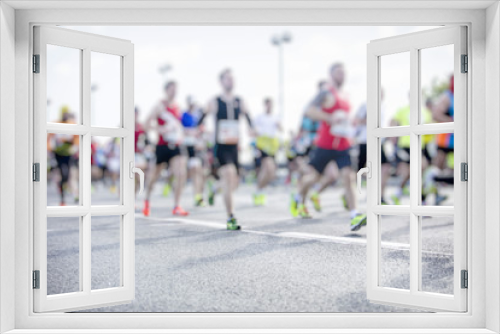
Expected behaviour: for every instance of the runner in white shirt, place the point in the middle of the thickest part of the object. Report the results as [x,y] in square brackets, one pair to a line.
[267,126]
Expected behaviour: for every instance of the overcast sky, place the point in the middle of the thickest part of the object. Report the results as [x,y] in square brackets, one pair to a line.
[197,54]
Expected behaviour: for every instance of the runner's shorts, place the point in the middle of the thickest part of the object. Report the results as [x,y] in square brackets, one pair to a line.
[322,157]
[165,153]
[225,155]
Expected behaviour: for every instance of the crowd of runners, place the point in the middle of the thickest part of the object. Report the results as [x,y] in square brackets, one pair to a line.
[175,147]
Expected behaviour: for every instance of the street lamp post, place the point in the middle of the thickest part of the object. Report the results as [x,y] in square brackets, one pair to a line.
[279,41]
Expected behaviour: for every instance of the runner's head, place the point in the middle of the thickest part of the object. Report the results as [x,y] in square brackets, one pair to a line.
[191,103]
[322,84]
[226,80]
[337,74]
[170,89]
[268,105]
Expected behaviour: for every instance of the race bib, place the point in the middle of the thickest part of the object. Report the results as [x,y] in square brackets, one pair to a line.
[342,126]
[228,132]
[190,136]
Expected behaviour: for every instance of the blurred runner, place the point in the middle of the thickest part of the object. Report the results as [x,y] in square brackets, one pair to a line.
[64,147]
[140,144]
[402,118]
[360,125]
[113,159]
[331,108]
[165,119]
[195,145]
[443,110]
[267,143]
[228,109]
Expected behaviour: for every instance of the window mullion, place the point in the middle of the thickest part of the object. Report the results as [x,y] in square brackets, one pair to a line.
[85,170]
[414,167]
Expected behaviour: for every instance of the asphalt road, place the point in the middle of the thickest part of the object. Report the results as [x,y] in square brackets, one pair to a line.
[274,264]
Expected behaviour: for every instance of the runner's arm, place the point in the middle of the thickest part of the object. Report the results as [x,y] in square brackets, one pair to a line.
[440,108]
[245,112]
[210,109]
[152,117]
[314,112]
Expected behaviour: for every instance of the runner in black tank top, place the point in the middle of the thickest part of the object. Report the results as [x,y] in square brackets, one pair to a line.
[227,110]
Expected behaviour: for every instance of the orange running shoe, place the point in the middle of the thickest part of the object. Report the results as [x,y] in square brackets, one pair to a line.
[178,211]
[145,211]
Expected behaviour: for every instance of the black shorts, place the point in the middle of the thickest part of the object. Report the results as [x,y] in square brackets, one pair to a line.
[322,157]
[226,155]
[446,150]
[191,152]
[262,155]
[403,155]
[164,153]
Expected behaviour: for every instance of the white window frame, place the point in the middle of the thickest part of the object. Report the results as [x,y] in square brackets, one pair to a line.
[483,49]
[86,297]
[413,44]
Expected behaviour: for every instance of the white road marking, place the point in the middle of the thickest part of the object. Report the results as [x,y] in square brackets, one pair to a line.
[294,235]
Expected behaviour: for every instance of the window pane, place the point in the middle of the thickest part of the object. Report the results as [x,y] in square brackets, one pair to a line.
[63,255]
[106,257]
[63,172]
[436,70]
[105,90]
[395,84]
[63,84]
[395,252]
[437,254]
[437,170]
[106,170]
[395,170]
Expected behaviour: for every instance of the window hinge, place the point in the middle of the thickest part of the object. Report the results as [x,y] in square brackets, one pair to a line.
[36,172]
[464,167]
[465,279]
[36,63]
[465,64]
[36,279]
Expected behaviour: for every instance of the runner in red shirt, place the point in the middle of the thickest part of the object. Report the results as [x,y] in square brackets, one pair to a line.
[332,144]
[165,120]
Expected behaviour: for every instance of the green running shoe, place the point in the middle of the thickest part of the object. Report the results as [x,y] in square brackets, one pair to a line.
[293,206]
[302,212]
[232,224]
[166,190]
[316,203]
[211,197]
[344,202]
[406,191]
[259,199]
[198,201]
[396,200]
[357,222]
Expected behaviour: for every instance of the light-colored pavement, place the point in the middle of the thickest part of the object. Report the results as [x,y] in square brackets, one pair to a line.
[275,264]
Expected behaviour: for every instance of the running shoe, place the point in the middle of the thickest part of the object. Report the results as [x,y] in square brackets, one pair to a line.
[303,212]
[396,200]
[357,222]
[344,202]
[293,206]
[232,224]
[315,200]
[259,199]
[198,201]
[406,190]
[146,210]
[166,190]
[211,197]
[440,199]
[178,211]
